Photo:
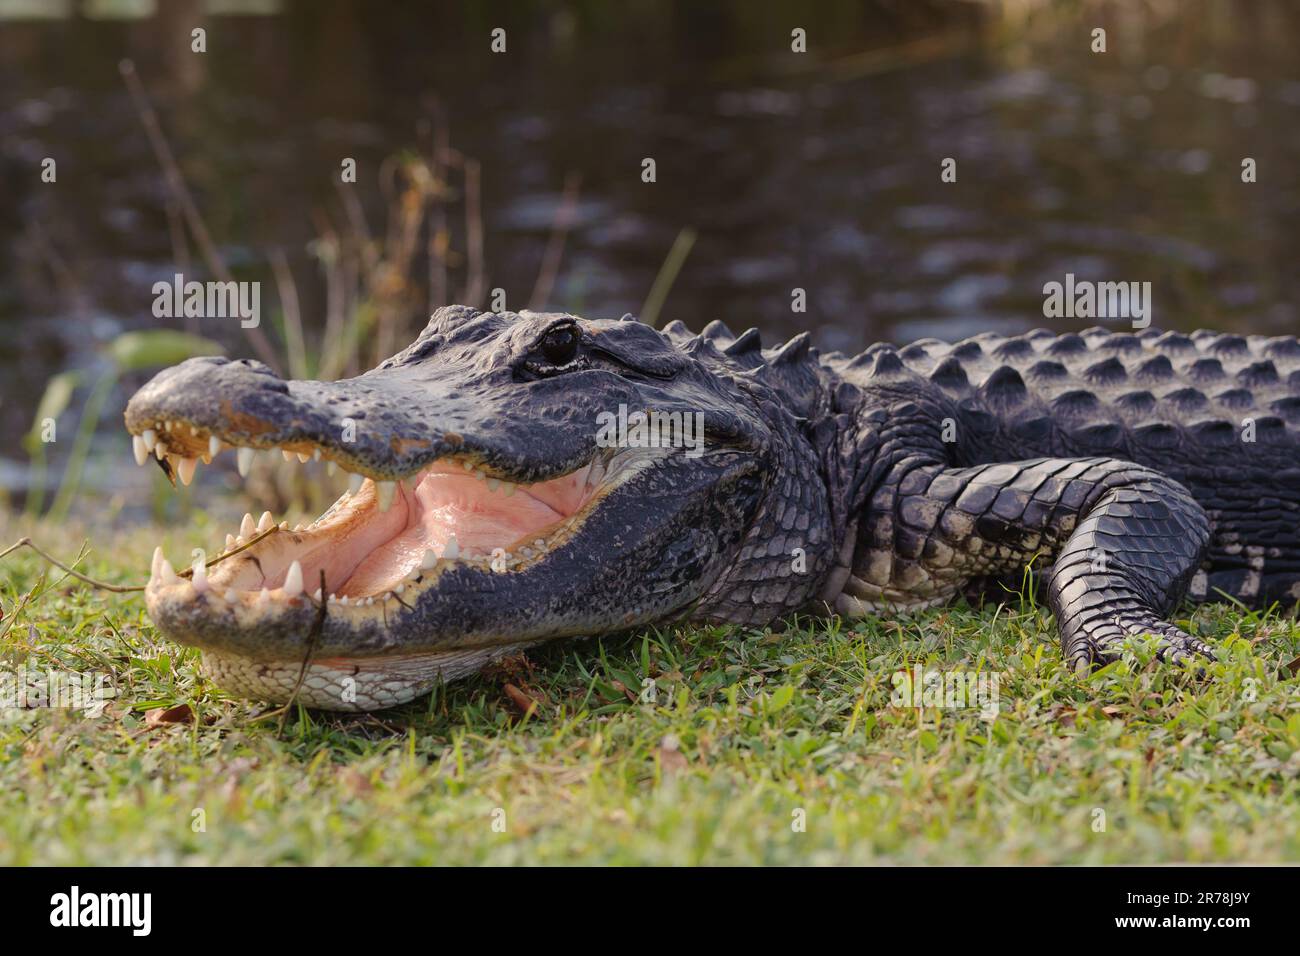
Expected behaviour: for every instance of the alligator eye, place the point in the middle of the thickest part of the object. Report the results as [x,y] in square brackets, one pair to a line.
[560,346]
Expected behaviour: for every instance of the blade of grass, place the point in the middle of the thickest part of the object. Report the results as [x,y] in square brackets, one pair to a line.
[667,275]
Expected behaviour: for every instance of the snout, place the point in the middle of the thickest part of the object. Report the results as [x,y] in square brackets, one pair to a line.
[387,424]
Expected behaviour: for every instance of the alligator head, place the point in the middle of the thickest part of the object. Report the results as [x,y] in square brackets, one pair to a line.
[515,478]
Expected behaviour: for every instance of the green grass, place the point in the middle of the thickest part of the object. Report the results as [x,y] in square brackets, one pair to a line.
[748,728]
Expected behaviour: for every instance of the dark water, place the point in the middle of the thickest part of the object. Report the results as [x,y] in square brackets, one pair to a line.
[819,171]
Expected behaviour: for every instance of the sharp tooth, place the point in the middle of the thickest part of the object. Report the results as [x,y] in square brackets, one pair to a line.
[265,522]
[526,552]
[149,437]
[493,484]
[230,541]
[139,449]
[481,475]
[539,543]
[355,482]
[246,527]
[399,589]
[315,454]
[200,577]
[293,580]
[384,492]
[194,432]
[343,599]
[155,563]
[330,468]
[469,465]
[288,455]
[452,550]
[166,574]
[300,527]
[508,487]
[214,446]
[429,560]
[232,596]
[244,459]
[167,425]
[160,451]
[186,469]
[284,526]
[263,596]
[303,458]
[317,594]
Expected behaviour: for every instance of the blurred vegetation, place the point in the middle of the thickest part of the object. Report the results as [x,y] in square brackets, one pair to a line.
[129,352]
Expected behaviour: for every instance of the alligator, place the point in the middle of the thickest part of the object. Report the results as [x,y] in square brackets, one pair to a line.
[520,477]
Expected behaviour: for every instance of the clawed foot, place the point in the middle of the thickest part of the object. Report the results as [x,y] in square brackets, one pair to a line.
[1086,651]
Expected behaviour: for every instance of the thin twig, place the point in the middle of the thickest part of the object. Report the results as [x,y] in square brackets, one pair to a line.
[439,239]
[123,588]
[356,215]
[475,281]
[180,252]
[176,183]
[313,641]
[36,592]
[59,269]
[22,605]
[295,344]
[555,244]
[103,585]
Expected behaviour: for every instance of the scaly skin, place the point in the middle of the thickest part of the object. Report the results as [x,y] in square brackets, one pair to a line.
[1128,468]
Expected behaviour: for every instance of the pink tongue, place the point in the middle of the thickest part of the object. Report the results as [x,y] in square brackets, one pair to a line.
[388,565]
[480,519]
[340,556]
[449,501]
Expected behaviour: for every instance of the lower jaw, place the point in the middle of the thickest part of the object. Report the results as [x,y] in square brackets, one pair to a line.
[348,684]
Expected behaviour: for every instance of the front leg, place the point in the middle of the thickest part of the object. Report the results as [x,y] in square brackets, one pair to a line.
[1126,567]
[1124,542]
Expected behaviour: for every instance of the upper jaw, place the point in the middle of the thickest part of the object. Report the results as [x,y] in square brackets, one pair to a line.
[388,424]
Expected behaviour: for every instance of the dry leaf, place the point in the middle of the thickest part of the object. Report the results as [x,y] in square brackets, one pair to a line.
[622,688]
[523,703]
[180,714]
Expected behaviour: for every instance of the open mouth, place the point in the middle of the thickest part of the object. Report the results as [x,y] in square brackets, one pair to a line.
[417,578]
[379,539]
